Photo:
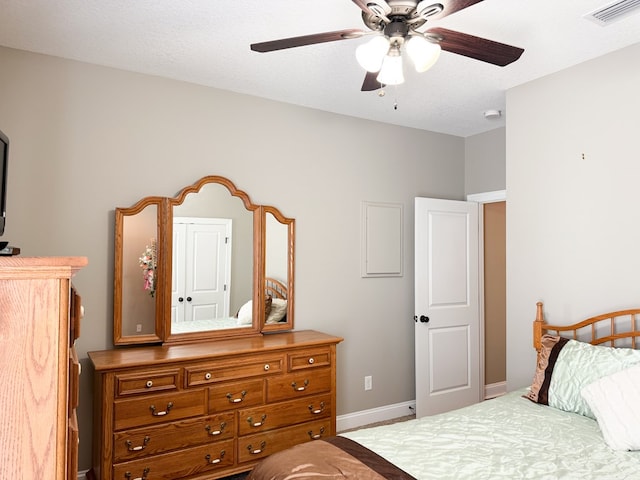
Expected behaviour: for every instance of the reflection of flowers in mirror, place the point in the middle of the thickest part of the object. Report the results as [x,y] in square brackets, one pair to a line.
[148,265]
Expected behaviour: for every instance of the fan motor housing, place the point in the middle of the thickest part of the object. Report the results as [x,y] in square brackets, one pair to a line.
[400,10]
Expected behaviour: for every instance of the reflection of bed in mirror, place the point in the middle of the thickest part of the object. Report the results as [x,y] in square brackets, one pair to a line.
[276,293]
[275,312]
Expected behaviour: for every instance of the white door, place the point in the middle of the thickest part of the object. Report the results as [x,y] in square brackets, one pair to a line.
[447,305]
[201,269]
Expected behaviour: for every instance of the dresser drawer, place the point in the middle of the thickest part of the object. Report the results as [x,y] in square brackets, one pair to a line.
[299,384]
[250,366]
[319,357]
[141,442]
[235,395]
[183,463]
[147,382]
[253,447]
[153,409]
[268,417]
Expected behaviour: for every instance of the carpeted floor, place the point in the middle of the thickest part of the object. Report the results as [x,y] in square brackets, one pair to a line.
[386,422]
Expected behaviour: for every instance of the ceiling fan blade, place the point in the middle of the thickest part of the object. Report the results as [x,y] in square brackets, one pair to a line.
[475,47]
[452,6]
[370,82]
[306,40]
[363,5]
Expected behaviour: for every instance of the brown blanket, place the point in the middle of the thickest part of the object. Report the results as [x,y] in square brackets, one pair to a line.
[329,458]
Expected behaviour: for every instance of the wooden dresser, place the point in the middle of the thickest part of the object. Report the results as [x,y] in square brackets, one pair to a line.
[39,323]
[208,410]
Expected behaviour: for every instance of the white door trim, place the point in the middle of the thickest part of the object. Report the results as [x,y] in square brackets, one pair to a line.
[488,197]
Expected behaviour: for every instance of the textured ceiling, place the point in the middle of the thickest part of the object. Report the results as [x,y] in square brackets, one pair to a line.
[207,42]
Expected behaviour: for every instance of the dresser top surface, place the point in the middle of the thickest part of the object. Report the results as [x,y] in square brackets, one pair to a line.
[18,267]
[152,355]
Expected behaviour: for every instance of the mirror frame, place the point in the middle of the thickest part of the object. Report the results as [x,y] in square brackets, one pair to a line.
[121,213]
[290,224]
[164,269]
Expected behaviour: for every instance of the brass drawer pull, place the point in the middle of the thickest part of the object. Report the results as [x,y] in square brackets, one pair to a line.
[139,447]
[302,388]
[317,411]
[145,472]
[149,384]
[311,361]
[214,433]
[207,376]
[258,450]
[257,424]
[317,436]
[214,461]
[236,400]
[163,412]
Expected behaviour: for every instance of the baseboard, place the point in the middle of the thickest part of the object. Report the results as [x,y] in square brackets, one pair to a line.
[82,475]
[494,390]
[379,414]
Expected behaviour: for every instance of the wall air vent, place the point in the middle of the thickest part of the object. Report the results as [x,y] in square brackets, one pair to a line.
[613,12]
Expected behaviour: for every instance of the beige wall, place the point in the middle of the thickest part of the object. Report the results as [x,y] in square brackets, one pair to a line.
[573,234]
[485,162]
[85,139]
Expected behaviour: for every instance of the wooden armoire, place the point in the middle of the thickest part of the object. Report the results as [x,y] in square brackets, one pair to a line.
[39,322]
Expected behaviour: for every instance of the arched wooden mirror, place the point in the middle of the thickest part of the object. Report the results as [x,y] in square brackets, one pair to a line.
[137,318]
[205,264]
[279,237]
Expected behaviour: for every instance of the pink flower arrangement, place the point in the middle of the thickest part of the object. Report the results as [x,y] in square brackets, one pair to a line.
[148,265]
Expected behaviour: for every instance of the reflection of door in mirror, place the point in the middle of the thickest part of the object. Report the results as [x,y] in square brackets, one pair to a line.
[200,273]
[212,261]
[138,272]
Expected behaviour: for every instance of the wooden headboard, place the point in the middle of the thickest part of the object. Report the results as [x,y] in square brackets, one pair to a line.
[275,288]
[615,327]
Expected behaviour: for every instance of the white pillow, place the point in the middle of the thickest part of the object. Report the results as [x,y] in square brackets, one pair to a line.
[278,310]
[614,400]
[245,314]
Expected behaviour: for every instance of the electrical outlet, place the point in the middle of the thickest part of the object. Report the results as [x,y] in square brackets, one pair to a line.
[368,382]
[138,327]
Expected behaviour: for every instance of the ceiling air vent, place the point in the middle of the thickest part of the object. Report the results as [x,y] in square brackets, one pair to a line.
[614,11]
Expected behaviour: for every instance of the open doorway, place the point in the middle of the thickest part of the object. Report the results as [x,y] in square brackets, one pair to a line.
[495,314]
[492,221]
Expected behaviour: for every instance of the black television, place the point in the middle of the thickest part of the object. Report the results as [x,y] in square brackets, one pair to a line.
[4,160]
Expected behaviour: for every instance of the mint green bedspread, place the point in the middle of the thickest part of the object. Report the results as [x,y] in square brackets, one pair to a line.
[505,438]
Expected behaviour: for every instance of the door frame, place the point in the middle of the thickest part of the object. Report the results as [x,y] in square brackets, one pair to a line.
[481,199]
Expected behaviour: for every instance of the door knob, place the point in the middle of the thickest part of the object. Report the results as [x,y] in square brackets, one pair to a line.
[180,299]
[188,299]
[423,318]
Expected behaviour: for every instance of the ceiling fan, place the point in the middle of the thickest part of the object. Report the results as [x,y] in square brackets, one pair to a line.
[402,24]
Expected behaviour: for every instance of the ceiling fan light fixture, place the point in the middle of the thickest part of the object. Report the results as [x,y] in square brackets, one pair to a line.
[391,72]
[371,54]
[423,53]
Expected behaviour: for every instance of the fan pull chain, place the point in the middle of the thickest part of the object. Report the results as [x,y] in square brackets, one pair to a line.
[382,93]
[395,97]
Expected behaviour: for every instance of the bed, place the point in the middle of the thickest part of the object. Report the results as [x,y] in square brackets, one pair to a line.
[577,419]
